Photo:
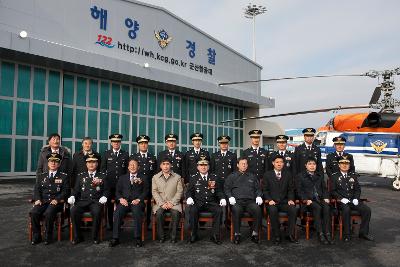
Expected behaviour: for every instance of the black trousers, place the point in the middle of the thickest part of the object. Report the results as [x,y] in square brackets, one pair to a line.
[365,213]
[110,206]
[193,214]
[137,214]
[251,207]
[49,212]
[81,206]
[160,214]
[273,211]
[321,212]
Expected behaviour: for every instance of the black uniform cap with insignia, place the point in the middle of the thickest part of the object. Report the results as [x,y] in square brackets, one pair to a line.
[344,159]
[91,157]
[115,137]
[309,131]
[281,138]
[54,157]
[339,140]
[142,138]
[224,139]
[255,133]
[171,137]
[202,161]
[196,136]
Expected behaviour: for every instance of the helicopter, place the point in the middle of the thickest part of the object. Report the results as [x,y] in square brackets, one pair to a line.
[372,137]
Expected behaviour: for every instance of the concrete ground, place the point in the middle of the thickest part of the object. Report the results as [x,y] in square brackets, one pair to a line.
[15,249]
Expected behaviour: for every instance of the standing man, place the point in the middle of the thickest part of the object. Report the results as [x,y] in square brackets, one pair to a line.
[205,194]
[306,150]
[51,190]
[192,157]
[244,193]
[167,192]
[279,195]
[173,153]
[332,159]
[132,190]
[113,164]
[257,157]
[312,191]
[288,156]
[79,159]
[54,147]
[347,191]
[147,166]
[90,194]
[223,162]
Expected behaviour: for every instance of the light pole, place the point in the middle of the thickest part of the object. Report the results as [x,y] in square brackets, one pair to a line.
[250,12]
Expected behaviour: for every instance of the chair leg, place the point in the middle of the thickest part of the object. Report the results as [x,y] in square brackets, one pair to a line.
[143,224]
[333,227]
[182,229]
[30,229]
[153,227]
[307,229]
[231,229]
[268,229]
[340,228]
[59,225]
[70,231]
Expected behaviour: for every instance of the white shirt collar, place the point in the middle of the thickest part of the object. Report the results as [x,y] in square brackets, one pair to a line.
[255,148]
[196,149]
[276,172]
[344,173]
[117,151]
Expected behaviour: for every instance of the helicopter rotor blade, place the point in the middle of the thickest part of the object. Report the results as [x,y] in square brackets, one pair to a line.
[299,113]
[293,78]
[375,96]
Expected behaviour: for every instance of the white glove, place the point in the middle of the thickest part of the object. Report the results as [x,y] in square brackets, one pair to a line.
[259,201]
[344,200]
[71,200]
[232,201]
[222,202]
[190,201]
[103,200]
[355,202]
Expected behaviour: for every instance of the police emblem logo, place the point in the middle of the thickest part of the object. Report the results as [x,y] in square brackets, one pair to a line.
[163,38]
[378,146]
[351,180]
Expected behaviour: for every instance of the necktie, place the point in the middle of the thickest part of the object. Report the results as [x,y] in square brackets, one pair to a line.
[204,178]
[223,154]
[281,153]
[143,155]
[197,152]
[132,177]
[278,174]
[51,175]
[116,154]
[91,175]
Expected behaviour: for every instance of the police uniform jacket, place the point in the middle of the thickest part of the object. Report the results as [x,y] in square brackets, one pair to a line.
[85,189]
[205,191]
[311,187]
[345,187]
[79,162]
[242,186]
[65,163]
[332,164]
[301,154]
[279,190]
[147,165]
[222,166]
[47,189]
[258,162]
[114,166]
[190,162]
[176,160]
[288,160]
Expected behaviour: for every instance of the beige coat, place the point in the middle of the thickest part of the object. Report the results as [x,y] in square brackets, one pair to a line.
[164,190]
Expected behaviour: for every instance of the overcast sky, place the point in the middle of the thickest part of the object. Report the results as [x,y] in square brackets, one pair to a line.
[306,37]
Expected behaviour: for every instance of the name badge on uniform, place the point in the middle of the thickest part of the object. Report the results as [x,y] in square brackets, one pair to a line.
[109,159]
[58,181]
[250,156]
[178,158]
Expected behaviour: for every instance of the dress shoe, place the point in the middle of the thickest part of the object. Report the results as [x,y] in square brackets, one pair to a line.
[95,241]
[216,240]
[193,238]
[346,239]
[255,239]
[277,240]
[75,241]
[113,242]
[236,240]
[322,239]
[292,239]
[46,242]
[367,237]
[173,240]
[161,240]
[36,241]
[329,239]
[139,243]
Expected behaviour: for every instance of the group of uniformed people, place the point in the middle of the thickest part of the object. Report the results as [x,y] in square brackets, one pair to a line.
[281,180]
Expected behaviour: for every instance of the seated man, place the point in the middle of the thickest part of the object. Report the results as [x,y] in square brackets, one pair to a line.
[167,192]
[205,194]
[311,188]
[347,191]
[132,190]
[279,193]
[90,194]
[49,194]
[244,193]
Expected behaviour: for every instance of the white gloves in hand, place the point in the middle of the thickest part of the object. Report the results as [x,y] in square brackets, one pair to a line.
[71,200]
[355,202]
[259,201]
[222,202]
[232,201]
[103,200]
[344,200]
[190,201]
